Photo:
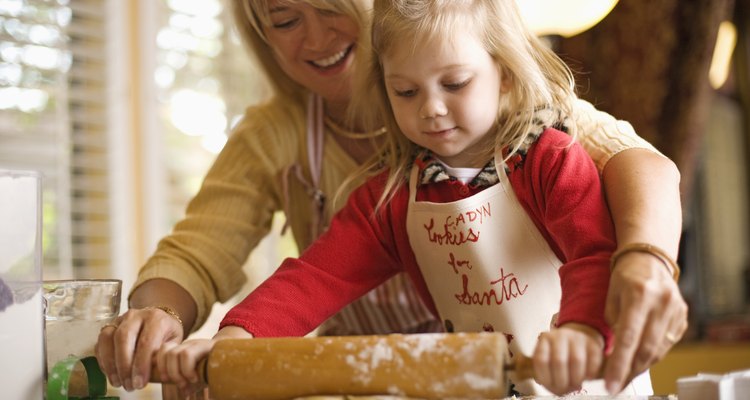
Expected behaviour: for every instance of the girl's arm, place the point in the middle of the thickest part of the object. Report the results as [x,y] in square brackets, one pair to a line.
[356,254]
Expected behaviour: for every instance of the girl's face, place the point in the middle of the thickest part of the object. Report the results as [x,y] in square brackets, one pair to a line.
[314,47]
[445,96]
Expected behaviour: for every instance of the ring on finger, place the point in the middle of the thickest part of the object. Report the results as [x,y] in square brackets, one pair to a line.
[108,325]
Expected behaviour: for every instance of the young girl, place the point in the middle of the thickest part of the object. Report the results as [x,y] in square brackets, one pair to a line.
[497,217]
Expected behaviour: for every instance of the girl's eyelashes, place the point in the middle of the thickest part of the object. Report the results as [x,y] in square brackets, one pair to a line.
[450,86]
[405,93]
[453,86]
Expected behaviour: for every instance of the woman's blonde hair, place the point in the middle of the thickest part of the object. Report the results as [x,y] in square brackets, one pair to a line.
[537,77]
[252,17]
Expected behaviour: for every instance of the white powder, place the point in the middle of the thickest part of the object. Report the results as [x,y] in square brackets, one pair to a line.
[363,371]
[382,351]
[21,350]
[418,344]
[478,382]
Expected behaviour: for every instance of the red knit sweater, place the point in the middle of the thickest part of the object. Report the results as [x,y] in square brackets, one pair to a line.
[556,183]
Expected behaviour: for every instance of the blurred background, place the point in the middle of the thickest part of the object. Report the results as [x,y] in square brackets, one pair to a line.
[123,105]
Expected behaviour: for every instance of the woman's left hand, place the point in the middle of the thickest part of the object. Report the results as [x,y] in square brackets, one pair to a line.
[647,313]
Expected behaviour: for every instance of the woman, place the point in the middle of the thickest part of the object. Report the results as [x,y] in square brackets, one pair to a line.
[276,160]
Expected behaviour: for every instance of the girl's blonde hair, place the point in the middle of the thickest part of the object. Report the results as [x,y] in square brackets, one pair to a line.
[252,18]
[537,77]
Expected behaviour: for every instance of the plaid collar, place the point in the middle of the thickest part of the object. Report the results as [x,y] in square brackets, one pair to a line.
[433,171]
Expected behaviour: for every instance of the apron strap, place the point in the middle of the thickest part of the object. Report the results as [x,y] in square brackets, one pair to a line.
[314,137]
[413,178]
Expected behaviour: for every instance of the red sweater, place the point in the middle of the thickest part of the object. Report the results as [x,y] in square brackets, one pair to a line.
[555,182]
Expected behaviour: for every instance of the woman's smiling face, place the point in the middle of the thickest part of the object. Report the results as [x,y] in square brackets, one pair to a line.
[314,47]
[445,95]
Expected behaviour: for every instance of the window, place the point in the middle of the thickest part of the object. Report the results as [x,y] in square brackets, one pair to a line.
[35,65]
[118,103]
[204,81]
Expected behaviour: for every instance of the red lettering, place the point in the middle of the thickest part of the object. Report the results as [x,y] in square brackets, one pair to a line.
[448,237]
[460,219]
[457,263]
[508,285]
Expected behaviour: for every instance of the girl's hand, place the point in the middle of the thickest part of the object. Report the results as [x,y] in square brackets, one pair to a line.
[178,363]
[566,356]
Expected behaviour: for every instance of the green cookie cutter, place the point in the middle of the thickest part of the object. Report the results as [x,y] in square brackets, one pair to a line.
[59,380]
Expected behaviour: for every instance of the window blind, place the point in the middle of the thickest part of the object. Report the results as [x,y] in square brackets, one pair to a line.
[53,119]
[87,110]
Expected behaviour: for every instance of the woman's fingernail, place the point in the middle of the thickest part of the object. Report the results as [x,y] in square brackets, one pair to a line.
[137,382]
[114,380]
[128,384]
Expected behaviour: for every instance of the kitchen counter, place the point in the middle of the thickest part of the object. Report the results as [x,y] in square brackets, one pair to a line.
[688,359]
[572,397]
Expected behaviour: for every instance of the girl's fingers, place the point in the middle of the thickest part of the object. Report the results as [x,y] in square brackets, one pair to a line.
[577,366]
[174,370]
[594,361]
[565,357]
[178,363]
[161,361]
[190,357]
[559,365]
[541,360]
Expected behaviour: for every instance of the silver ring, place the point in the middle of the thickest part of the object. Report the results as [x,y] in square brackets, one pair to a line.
[671,338]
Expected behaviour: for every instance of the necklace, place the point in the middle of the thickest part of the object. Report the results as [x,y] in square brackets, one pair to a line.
[341,131]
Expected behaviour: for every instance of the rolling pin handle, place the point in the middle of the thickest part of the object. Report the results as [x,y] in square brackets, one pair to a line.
[522,367]
[202,370]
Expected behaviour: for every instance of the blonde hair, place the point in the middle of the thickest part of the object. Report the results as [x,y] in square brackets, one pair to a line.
[537,77]
[252,17]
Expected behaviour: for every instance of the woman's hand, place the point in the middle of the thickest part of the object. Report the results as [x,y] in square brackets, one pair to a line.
[566,356]
[178,363]
[126,347]
[644,303]
[648,314]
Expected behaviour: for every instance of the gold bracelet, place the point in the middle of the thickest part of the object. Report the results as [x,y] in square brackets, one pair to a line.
[662,255]
[169,311]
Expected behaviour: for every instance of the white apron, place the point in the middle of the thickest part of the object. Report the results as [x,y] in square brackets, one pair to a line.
[488,268]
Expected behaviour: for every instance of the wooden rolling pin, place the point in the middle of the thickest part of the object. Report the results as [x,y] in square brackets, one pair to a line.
[428,366]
